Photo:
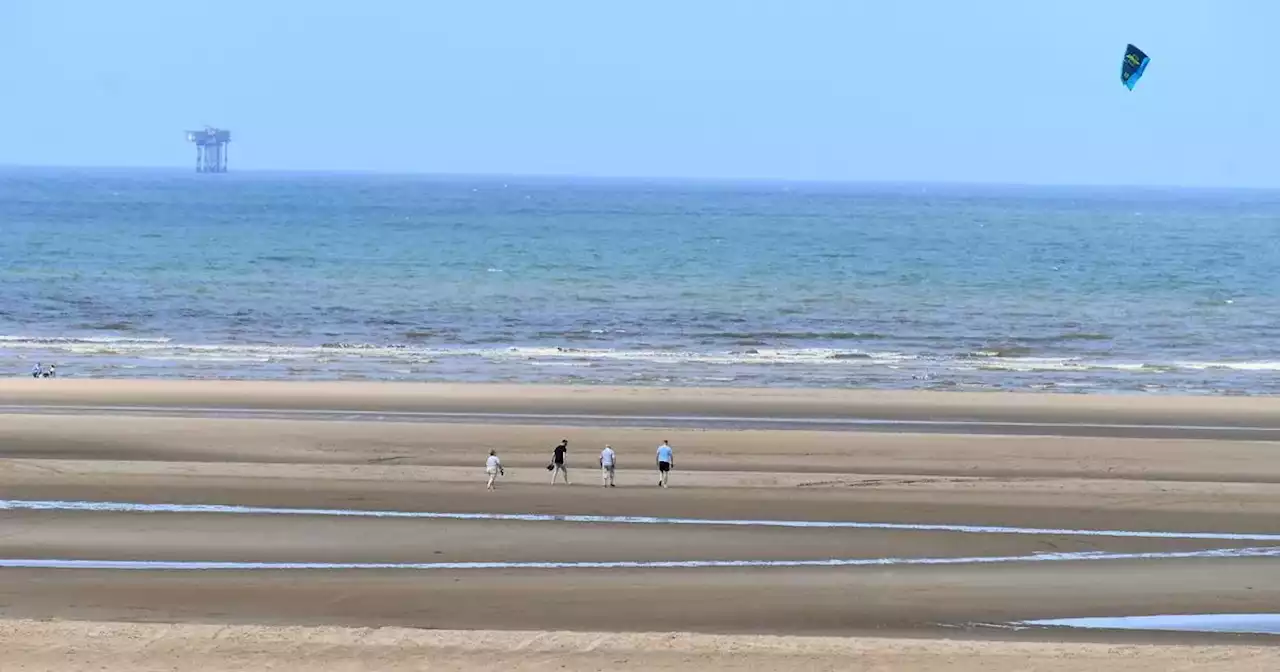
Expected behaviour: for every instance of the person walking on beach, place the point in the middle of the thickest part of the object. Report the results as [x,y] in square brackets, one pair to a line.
[608,460]
[493,467]
[557,465]
[666,460]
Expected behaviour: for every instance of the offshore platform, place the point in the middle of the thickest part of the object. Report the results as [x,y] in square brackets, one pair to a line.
[211,149]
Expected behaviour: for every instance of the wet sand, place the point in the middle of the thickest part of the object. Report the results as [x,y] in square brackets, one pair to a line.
[777,404]
[95,450]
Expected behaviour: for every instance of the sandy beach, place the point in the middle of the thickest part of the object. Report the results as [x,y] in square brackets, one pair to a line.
[944,520]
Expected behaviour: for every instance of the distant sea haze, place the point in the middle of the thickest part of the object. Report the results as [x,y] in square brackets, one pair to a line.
[144,274]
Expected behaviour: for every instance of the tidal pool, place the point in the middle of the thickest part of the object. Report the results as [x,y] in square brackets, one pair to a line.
[1262,624]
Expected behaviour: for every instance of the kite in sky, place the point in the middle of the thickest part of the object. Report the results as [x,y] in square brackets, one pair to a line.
[1135,63]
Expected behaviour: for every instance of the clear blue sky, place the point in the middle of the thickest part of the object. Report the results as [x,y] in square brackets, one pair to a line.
[938,90]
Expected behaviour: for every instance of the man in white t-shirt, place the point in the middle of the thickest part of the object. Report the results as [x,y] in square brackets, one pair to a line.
[493,467]
[608,460]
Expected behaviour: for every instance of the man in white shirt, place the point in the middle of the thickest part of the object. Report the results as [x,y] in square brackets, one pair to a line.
[608,460]
[666,460]
[493,467]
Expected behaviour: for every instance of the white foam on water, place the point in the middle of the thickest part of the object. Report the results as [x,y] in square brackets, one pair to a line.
[758,361]
[1087,556]
[990,362]
[69,340]
[1231,366]
[1261,624]
[135,507]
[164,349]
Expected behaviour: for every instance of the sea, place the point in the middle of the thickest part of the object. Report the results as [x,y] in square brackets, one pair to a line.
[275,276]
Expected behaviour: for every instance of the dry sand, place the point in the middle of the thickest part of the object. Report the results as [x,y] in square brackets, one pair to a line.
[36,646]
[95,450]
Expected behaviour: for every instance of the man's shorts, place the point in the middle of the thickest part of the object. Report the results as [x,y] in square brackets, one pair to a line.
[664,466]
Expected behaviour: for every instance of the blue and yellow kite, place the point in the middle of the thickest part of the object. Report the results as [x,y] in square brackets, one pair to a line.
[1135,63]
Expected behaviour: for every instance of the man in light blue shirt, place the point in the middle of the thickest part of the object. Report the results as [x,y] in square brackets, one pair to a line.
[666,460]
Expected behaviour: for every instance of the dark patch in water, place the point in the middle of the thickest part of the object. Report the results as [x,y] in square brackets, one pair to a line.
[1069,336]
[505,337]
[574,335]
[106,326]
[662,347]
[799,335]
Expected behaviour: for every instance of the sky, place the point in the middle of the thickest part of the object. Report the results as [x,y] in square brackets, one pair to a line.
[841,90]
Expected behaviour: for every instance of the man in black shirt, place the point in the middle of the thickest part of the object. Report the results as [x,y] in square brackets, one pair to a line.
[557,462]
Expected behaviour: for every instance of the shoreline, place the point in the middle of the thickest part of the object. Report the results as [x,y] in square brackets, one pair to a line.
[993,363]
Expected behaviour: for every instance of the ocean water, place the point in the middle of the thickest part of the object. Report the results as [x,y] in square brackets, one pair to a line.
[149,274]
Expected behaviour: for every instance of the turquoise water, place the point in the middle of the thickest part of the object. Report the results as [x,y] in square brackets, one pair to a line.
[165,274]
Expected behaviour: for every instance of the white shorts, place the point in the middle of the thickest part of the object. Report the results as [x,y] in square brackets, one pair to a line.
[490,470]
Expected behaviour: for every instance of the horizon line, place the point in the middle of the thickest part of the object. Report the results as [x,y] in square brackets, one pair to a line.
[669,179]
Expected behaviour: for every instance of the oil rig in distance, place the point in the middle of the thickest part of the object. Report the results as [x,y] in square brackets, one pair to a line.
[211,149]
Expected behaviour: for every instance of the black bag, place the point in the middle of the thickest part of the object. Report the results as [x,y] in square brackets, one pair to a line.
[550,467]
